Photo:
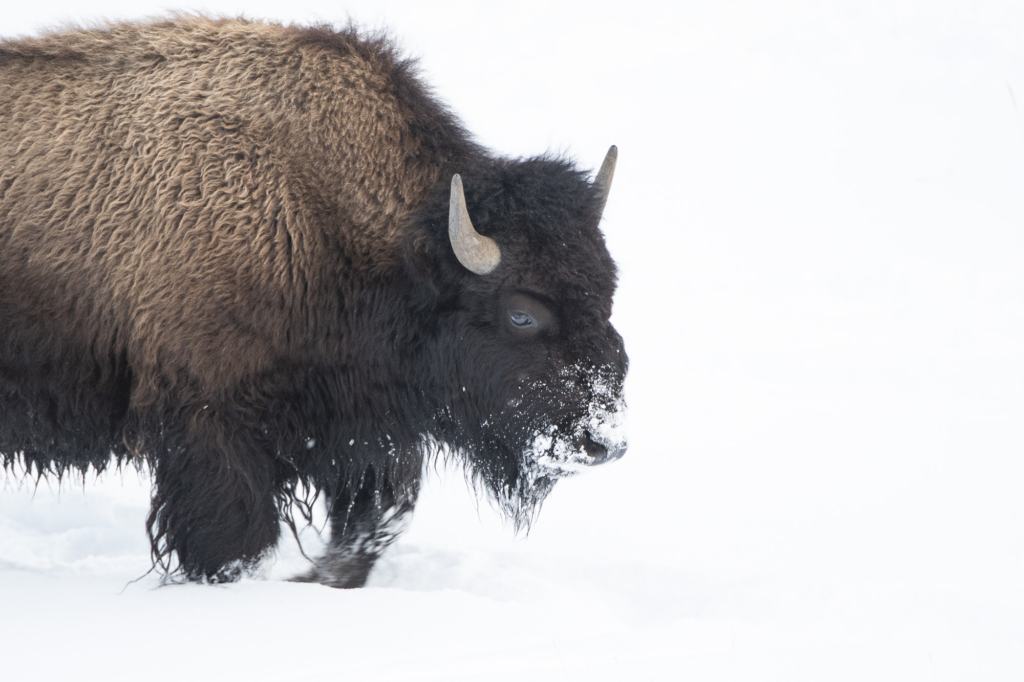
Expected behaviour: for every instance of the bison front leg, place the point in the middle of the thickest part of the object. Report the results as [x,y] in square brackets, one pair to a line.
[366,517]
[214,503]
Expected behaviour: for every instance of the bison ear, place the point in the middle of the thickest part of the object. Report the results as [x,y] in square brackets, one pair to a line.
[603,181]
[476,252]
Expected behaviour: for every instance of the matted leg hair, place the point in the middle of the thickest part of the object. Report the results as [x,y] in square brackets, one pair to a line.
[367,515]
[214,504]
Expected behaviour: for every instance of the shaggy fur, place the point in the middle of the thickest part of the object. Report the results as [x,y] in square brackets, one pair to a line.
[224,252]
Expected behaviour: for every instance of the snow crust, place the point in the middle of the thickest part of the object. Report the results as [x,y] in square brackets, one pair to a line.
[817,221]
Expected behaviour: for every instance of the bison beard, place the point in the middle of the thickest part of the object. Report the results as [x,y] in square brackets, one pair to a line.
[265,262]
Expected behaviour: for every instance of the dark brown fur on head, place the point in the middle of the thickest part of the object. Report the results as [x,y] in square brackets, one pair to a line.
[224,252]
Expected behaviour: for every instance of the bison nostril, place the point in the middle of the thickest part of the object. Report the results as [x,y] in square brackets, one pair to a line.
[598,452]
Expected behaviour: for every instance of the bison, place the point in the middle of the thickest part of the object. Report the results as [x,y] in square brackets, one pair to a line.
[265,262]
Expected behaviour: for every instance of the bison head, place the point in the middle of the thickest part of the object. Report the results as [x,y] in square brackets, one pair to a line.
[526,368]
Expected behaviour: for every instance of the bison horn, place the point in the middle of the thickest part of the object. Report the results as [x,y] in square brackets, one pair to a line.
[603,181]
[478,253]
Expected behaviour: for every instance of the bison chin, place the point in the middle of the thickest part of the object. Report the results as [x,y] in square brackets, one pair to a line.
[551,450]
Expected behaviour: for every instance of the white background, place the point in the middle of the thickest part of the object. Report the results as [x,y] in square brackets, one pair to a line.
[818,217]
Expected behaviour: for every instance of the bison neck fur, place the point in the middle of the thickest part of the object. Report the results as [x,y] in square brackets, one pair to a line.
[225,255]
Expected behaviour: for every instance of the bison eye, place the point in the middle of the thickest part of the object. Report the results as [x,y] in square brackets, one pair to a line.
[526,317]
[520,319]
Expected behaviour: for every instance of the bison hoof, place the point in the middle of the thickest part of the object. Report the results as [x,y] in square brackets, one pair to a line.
[345,574]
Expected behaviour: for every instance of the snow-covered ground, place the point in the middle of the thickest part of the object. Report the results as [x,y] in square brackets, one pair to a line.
[819,218]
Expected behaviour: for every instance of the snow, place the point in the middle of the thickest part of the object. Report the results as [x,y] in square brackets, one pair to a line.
[818,220]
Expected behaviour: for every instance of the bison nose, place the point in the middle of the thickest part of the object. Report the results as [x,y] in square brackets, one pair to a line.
[599,452]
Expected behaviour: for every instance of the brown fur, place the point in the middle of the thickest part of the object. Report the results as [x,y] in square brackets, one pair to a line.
[241,126]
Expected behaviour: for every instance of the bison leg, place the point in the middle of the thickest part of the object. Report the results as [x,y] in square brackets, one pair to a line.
[366,517]
[214,504]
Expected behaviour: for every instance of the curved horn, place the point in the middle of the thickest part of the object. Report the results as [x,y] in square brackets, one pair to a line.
[478,253]
[603,181]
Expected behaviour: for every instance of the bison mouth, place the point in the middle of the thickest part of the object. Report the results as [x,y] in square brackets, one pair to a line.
[559,445]
[556,452]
